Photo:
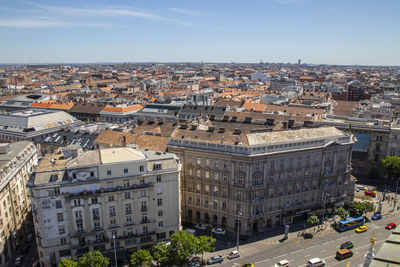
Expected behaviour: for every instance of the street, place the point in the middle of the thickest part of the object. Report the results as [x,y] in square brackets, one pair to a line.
[324,245]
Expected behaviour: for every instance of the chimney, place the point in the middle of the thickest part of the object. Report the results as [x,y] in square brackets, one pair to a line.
[98,150]
[124,141]
[65,140]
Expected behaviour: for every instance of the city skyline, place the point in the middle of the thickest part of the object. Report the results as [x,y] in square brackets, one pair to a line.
[282,31]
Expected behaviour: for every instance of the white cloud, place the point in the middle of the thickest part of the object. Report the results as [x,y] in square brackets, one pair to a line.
[185,11]
[30,23]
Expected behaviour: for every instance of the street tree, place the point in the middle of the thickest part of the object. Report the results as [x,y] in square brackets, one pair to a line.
[93,259]
[67,263]
[368,206]
[161,254]
[342,213]
[141,258]
[391,166]
[205,244]
[313,220]
[356,209]
[182,248]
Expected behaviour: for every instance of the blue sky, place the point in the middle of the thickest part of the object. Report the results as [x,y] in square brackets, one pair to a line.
[316,31]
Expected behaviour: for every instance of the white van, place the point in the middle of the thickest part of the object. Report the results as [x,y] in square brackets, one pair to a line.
[315,262]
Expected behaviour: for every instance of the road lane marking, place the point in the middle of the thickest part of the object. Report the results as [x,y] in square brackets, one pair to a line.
[283,255]
[307,256]
[296,251]
[257,262]
[313,246]
[322,251]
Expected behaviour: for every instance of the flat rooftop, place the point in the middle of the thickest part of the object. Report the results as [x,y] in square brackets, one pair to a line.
[293,135]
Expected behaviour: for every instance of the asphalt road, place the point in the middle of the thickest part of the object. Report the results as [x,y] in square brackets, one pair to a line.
[324,245]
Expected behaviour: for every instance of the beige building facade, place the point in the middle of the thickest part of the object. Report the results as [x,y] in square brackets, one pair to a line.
[265,179]
[17,162]
[125,196]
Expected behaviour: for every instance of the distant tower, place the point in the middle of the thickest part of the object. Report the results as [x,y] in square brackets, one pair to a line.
[299,62]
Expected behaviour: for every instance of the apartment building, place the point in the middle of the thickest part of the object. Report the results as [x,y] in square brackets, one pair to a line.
[261,180]
[17,162]
[94,199]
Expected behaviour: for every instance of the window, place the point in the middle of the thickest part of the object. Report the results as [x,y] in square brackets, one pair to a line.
[257,167]
[225,177]
[91,174]
[158,178]
[96,213]
[61,229]
[198,172]
[109,172]
[159,190]
[160,224]
[60,217]
[145,229]
[113,222]
[159,202]
[143,193]
[112,211]
[208,162]
[58,204]
[77,202]
[111,198]
[141,168]
[109,185]
[157,166]
[207,174]
[127,195]
[128,208]
[56,191]
[225,165]
[125,170]
[160,213]
[128,219]
[63,241]
[78,214]
[198,161]
[74,175]
[94,200]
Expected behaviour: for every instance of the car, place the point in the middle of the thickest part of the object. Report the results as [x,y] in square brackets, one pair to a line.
[376,216]
[18,261]
[391,225]
[282,263]
[247,265]
[347,245]
[342,254]
[307,236]
[361,229]
[197,262]
[218,231]
[190,231]
[201,226]
[215,259]
[315,262]
[234,254]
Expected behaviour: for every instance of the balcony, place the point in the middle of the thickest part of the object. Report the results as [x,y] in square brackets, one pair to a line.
[143,209]
[146,221]
[96,217]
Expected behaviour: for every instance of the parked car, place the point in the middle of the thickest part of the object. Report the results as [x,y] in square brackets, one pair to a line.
[190,231]
[370,193]
[247,265]
[391,225]
[361,229]
[347,245]
[307,236]
[282,263]
[218,231]
[315,262]
[376,216]
[234,254]
[18,261]
[201,226]
[215,259]
[197,261]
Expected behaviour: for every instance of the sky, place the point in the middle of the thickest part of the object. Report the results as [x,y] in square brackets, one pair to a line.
[349,32]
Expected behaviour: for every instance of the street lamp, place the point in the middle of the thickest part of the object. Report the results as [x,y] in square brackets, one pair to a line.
[324,198]
[115,250]
[238,230]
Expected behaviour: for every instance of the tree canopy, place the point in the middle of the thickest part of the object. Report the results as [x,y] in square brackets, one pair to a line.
[342,213]
[313,220]
[92,259]
[141,258]
[357,208]
[391,166]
